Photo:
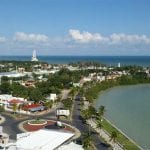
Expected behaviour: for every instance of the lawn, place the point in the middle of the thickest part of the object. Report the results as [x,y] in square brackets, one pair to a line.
[123,140]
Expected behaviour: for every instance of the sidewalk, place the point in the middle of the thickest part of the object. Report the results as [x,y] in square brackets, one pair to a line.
[105,135]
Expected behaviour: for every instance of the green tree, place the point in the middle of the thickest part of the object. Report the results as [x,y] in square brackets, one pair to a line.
[67,103]
[35,94]
[101,111]
[99,124]
[73,92]
[2,109]
[19,90]
[86,141]
[92,111]
[113,136]
[88,113]
[48,104]
[14,108]
[4,79]
[5,88]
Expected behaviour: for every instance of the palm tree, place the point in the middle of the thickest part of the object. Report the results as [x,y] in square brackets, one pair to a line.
[87,140]
[113,136]
[99,124]
[72,93]
[92,111]
[14,107]
[101,111]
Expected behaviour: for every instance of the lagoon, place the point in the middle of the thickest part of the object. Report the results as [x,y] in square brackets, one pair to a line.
[128,108]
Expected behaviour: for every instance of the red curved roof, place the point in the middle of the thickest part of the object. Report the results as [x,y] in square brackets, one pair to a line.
[15,101]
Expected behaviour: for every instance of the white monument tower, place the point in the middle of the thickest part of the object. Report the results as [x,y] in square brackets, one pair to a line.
[34,56]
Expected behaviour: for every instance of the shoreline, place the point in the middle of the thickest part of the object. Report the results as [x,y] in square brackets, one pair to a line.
[119,130]
[65,59]
[110,123]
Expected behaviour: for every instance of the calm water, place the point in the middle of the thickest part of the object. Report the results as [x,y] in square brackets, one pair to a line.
[128,108]
[109,60]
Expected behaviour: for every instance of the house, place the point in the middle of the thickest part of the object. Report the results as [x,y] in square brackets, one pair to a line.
[33,107]
[29,83]
[52,97]
[21,70]
[4,99]
[76,84]
[87,79]
[15,101]
[101,78]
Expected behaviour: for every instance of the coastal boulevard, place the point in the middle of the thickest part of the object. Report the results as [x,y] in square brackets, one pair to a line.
[77,121]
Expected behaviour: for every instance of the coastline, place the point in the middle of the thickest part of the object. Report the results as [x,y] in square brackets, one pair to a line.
[109,60]
[130,139]
[110,123]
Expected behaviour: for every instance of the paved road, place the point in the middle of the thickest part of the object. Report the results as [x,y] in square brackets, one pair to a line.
[10,126]
[65,94]
[78,123]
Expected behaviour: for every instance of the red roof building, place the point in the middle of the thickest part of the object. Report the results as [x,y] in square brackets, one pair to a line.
[15,101]
[33,107]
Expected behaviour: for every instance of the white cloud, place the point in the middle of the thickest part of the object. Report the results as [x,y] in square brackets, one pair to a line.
[24,37]
[129,38]
[87,42]
[86,37]
[2,39]
[115,38]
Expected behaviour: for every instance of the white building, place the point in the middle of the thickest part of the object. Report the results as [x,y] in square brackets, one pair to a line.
[71,146]
[7,101]
[12,74]
[41,140]
[101,78]
[87,79]
[52,97]
[4,98]
[76,84]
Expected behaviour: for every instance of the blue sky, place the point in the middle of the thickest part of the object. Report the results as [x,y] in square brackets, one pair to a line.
[75,27]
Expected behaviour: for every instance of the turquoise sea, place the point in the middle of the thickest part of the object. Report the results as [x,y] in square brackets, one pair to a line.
[109,60]
[128,108]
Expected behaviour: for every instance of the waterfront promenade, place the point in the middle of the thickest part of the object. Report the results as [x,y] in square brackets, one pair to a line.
[105,135]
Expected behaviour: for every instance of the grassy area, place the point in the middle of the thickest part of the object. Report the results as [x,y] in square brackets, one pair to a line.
[127,144]
[37,121]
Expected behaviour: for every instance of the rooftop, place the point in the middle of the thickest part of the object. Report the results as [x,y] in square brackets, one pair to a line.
[42,139]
